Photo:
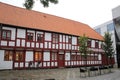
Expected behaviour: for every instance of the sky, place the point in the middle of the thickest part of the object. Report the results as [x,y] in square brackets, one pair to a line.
[91,12]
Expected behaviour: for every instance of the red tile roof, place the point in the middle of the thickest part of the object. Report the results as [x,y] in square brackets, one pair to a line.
[31,19]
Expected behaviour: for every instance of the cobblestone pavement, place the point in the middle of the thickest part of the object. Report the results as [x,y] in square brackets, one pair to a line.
[56,74]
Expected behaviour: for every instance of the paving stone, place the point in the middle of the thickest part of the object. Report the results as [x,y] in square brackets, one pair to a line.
[56,74]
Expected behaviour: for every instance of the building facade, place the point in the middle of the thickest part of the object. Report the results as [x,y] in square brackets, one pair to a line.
[30,39]
[116,19]
[108,27]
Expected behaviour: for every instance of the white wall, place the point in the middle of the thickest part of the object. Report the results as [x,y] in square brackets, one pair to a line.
[48,36]
[46,56]
[4,64]
[93,43]
[29,56]
[67,56]
[99,57]
[74,40]
[21,33]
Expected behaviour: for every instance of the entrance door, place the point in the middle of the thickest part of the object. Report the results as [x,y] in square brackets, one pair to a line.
[19,58]
[61,62]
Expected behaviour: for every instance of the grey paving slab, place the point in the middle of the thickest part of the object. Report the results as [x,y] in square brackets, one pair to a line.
[56,74]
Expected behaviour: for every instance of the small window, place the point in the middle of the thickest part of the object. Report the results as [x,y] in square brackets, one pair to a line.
[40,37]
[55,38]
[78,57]
[69,39]
[30,36]
[96,45]
[89,43]
[38,56]
[54,56]
[73,57]
[19,56]
[8,55]
[6,34]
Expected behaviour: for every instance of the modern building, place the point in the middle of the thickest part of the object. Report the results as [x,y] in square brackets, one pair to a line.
[108,27]
[116,19]
[30,39]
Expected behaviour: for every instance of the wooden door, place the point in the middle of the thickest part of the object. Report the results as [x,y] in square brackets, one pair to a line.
[19,60]
[61,62]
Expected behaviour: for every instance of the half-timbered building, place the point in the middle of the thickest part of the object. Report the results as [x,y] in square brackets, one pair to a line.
[38,40]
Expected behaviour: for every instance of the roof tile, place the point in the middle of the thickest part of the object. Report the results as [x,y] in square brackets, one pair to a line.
[32,19]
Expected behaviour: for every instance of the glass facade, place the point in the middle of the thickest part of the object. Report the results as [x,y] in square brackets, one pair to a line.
[110,27]
[98,30]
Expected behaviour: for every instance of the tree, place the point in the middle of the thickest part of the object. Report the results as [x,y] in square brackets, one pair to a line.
[107,47]
[83,48]
[30,3]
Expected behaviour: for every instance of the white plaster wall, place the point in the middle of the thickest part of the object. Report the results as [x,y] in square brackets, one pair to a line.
[60,38]
[3,43]
[4,64]
[46,56]
[21,33]
[63,38]
[60,46]
[23,43]
[11,43]
[67,39]
[48,36]
[99,57]
[29,56]
[67,56]
[74,40]
[18,42]
[100,44]
[93,43]
[63,46]
[32,44]
[13,30]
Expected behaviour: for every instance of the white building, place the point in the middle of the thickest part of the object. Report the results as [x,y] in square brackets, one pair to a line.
[116,19]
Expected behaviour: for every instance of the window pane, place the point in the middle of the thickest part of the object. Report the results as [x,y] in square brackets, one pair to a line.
[19,56]
[40,37]
[69,39]
[38,56]
[98,30]
[8,55]
[8,35]
[110,27]
[30,36]
[54,56]
[4,35]
[55,38]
